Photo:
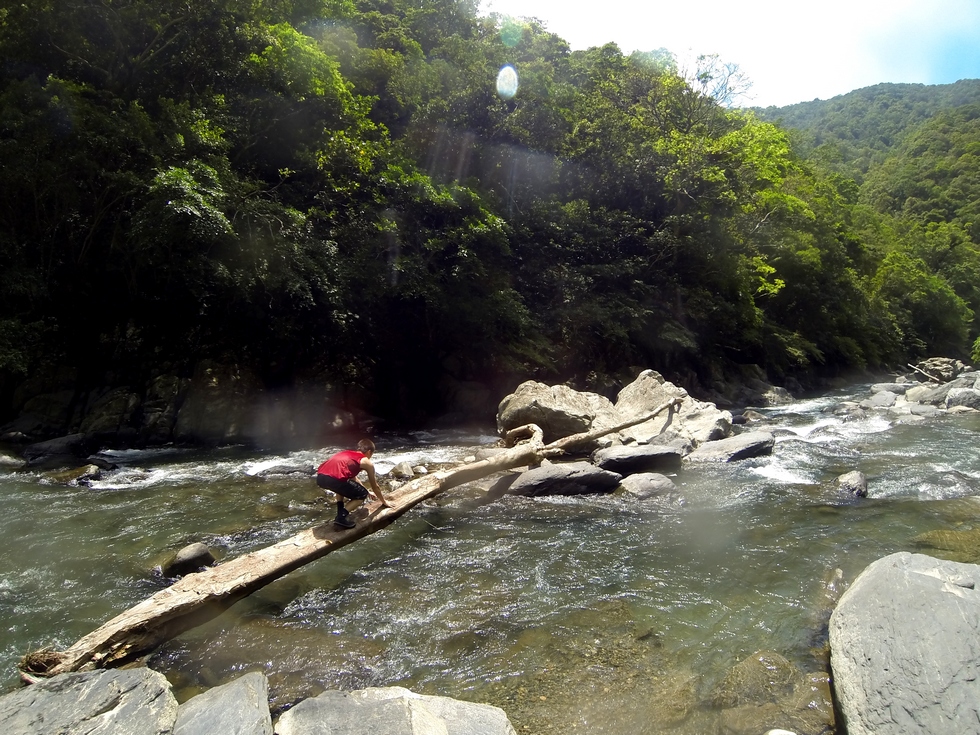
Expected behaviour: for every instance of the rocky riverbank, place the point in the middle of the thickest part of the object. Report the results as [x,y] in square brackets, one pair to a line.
[140,702]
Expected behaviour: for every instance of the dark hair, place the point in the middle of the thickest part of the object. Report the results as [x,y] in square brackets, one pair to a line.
[365,446]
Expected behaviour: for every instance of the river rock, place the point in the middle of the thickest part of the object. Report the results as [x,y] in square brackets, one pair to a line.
[402,471]
[766,691]
[627,460]
[695,421]
[936,394]
[107,702]
[192,558]
[648,485]
[285,468]
[164,394]
[391,711]
[567,478]
[10,462]
[112,413]
[740,446]
[559,410]
[881,399]
[64,447]
[75,476]
[963,397]
[853,483]
[240,707]
[942,368]
[217,408]
[897,388]
[905,648]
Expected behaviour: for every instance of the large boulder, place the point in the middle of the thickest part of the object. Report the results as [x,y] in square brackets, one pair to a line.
[217,408]
[240,707]
[936,394]
[905,648]
[741,446]
[942,368]
[63,448]
[391,711]
[559,410]
[192,558]
[112,413]
[633,458]
[108,702]
[853,483]
[568,478]
[963,397]
[695,421]
[164,394]
[645,485]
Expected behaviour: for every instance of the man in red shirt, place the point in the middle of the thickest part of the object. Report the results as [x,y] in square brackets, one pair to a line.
[339,475]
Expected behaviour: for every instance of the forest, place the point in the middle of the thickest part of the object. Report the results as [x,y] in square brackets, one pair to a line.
[385,194]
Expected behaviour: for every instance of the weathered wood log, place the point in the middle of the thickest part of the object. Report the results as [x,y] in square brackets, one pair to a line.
[933,378]
[202,596]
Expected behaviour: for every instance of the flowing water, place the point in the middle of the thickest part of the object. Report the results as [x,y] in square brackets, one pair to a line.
[599,614]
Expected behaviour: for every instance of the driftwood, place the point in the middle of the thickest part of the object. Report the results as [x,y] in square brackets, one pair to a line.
[923,372]
[202,596]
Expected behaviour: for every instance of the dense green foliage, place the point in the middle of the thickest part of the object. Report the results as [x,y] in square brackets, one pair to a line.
[334,188]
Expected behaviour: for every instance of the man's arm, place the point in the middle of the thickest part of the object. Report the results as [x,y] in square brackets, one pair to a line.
[368,466]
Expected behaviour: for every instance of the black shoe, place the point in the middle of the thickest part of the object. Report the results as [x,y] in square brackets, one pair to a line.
[344,523]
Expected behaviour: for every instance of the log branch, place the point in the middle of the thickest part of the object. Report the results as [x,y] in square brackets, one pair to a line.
[200,597]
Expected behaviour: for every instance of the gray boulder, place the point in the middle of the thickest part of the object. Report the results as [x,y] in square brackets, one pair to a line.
[402,471]
[75,476]
[963,397]
[881,399]
[217,408]
[905,648]
[897,388]
[648,485]
[111,413]
[164,394]
[936,395]
[627,460]
[240,707]
[108,702]
[696,422]
[559,410]
[740,446]
[64,447]
[391,711]
[942,368]
[286,468]
[191,558]
[569,478]
[853,483]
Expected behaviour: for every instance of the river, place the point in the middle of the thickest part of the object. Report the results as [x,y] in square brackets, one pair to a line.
[599,614]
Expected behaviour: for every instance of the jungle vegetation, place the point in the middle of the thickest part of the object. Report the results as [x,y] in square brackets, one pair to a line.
[336,188]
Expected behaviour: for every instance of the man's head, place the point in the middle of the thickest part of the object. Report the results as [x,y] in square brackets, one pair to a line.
[365,446]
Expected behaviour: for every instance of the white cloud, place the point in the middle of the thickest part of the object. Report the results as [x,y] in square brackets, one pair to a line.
[791,51]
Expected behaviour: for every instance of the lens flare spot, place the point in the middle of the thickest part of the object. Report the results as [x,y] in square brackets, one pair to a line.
[507,82]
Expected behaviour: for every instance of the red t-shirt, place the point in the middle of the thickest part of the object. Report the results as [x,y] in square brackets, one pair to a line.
[343,465]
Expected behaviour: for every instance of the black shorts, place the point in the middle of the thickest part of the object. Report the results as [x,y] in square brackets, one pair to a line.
[347,488]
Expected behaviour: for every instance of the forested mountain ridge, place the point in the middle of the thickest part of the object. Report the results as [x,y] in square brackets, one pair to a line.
[338,192]
[861,127]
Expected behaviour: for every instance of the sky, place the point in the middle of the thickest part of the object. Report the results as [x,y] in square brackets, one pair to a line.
[791,50]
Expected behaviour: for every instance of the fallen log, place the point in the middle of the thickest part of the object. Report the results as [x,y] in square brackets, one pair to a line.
[197,598]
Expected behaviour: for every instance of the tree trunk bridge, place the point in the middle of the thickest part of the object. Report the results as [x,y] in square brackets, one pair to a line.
[200,597]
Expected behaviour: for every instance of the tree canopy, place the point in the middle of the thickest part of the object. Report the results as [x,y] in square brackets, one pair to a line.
[336,189]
